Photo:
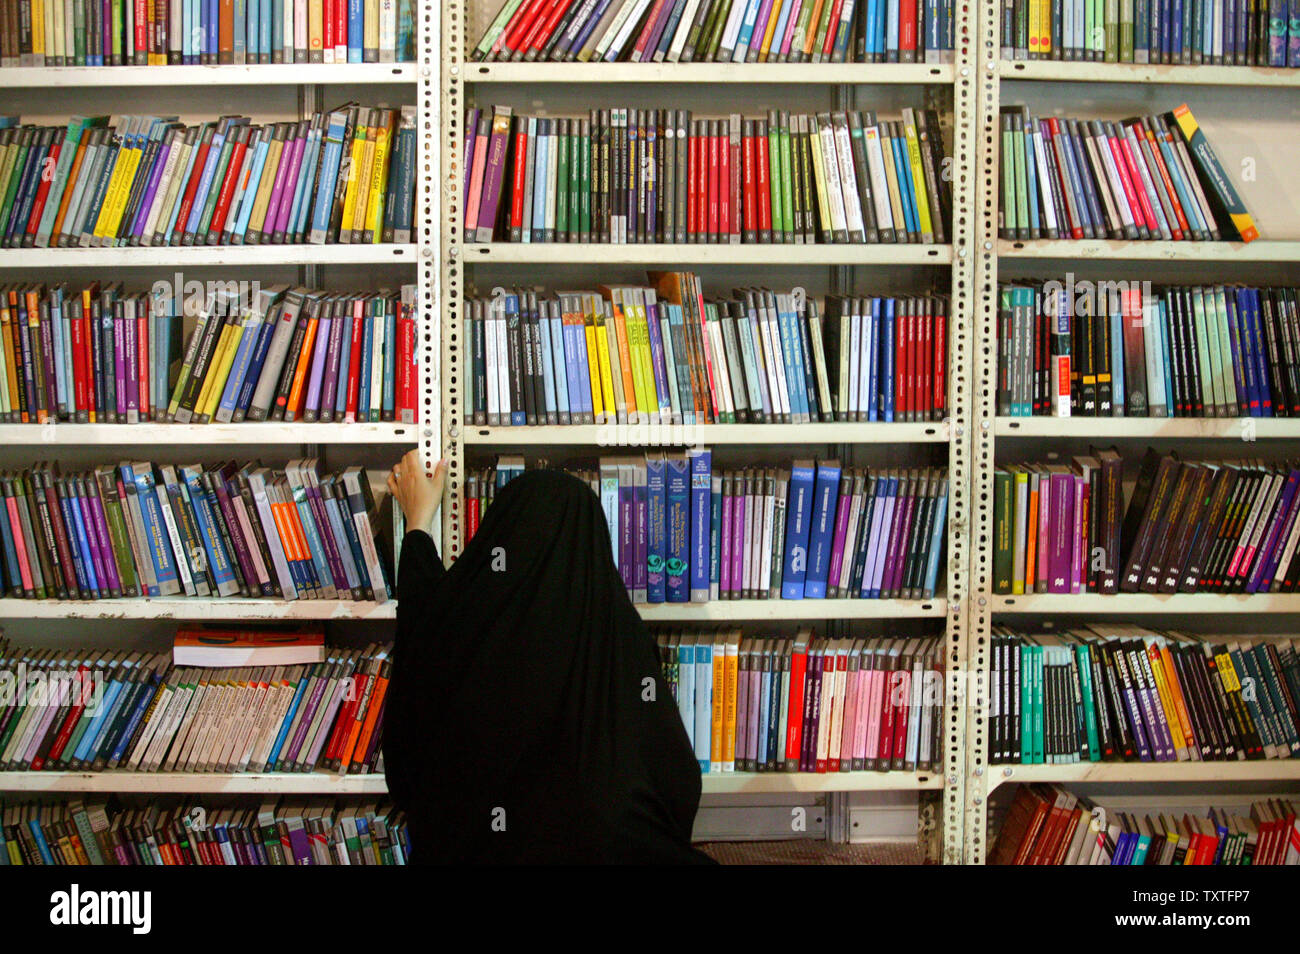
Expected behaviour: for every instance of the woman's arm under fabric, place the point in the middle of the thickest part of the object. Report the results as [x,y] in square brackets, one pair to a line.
[419,572]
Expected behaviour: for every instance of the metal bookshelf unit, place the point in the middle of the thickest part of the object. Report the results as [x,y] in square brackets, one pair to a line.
[469,269]
[1231,95]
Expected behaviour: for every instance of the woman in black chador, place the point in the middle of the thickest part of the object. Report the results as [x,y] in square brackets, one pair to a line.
[527,717]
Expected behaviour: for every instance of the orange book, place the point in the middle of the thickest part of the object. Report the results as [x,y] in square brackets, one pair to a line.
[296,394]
[68,189]
[39,413]
[372,715]
[1031,538]
[10,357]
[624,352]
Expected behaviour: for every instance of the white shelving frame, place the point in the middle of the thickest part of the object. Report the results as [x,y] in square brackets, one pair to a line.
[459,259]
[981,778]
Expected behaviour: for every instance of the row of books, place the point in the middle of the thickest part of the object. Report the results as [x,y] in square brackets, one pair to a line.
[1217,32]
[1119,692]
[1190,526]
[622,354]
[1119,349]
[1152,177]
[807,703]
[739,31]
[1046,825]
[289,831]
[346,176]
[664,175]
[94,710]
[103,355]
[683,532]
[139,529]
[90,33]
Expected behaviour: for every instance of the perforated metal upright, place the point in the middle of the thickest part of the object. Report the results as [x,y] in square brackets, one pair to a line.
[429,164]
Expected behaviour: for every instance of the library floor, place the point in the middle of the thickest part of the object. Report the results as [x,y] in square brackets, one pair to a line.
[809,852]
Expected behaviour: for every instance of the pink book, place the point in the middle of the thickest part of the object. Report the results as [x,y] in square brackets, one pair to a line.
[654,26]
[850,709]
[755,690]
[860,714]
[738,541]
[797,5]
[1135,177]
[724,541]
[494,172]
[1076,558]
[877,685]
[24,569]
[1044,509]
[476,176]
[281,221]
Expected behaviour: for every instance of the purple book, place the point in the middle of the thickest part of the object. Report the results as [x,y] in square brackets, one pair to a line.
[101,523]
[493,174]
[890,544]
[309,710]
[317,506]
[904,537]
[570,47]
[815,713]
[841,531]
[130,364]
[155,176]
[236,531]
[92,537]
[1271,549]
[1044,534]
[755,702]
[738,538]
[119,359]
[655,32]
[291,184]
[1077,559]
[47,360]
[724,542]
[311,409]
[880,532]
[471,130]
[333,355]
[1060,547]
[642,517]
[760,28]
[277,194]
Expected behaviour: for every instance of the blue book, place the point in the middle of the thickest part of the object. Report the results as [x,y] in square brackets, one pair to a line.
[555,335]
[333,155]
[345,362]
[205,182]
[164,560]
[42,846]
[747,28]
[701,462]
[703,714]
[821,532]
[223,576]
[13,581]
[255,364]
[79,569]
[1176,40]
[906,184]
[548,372]
[239,45]
[659,365]
[779,33]
[539,176]
[388,397]
[1116,360]
[83,547]
[582,389]
[686,686]
[240,228]
[1164,357]
[1266,397]
[574,343]
[283,732]
[1032,175]
[356,30]
[888,354]
[239,369]
[887,513]
[297,219]
[127,730]
[871,331]
[715,537]
[795,365]
[211,19]
[656,542]
[96,726]
[936,543]
[518,416]
[798,516]
[678,528]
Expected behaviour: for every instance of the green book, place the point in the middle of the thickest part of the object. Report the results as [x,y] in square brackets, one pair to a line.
[585,146]
[787,178]
[1022,178]
[563,187]
[1039,736]
[774,174]
[1002,531]
[1083,656]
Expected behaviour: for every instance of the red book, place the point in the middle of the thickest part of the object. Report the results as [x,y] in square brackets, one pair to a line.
[346,715]
[940,369]
[794,721]
[340,28]
[899,345]
[724,183]
[547,26]
[692,203]
[527,29]
[515,23]
[647,29]
[885,746]
[829,43]
[749,177]
[80,692]
[471,519]
[327,27]
[713,184]
[196,174]
[1135,177]
[732,150]
[141,31]
[833,757]
[42,193]
[354,362]
[1076,230]
[1181,227]
[406,366]
[227,193]
[763,186]
[900,713]
[76,329]
[518,178]
[906,30]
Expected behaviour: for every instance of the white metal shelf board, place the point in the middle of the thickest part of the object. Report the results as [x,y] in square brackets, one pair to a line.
[728,610]
[687,435]
[830,74]
[189,255]
[1145,773]
[159,783]
[1103,250]
[1120,603]
[250,433]
[523,253]
[322,783]
[197,609]
[260,74]
[1147,428]
[1134,73]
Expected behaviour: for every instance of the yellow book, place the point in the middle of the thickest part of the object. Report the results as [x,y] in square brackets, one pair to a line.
[1045,29]
[765,49]
[209,409]
[719,702]
[819,179]
[593,363]
[354,170]
[58,32]
[315,31]
[1019,549]
[120,162]
[647,358]
[38,31]
[729,709]
[365,174]
[1166,699]
[209,379]
[4,355]
[379,177]
[1034,28]
[918,175]
[132,157]
[643,403]
[602,359]
[370,50]
[258,216]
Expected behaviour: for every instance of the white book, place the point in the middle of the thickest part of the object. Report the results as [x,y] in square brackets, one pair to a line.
[683,30]
[731,30]
[879,184]
[629,15]
[848,180]
[1044,177]
[831,173]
